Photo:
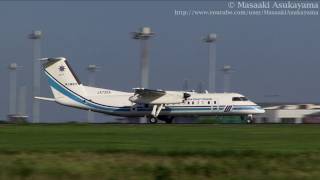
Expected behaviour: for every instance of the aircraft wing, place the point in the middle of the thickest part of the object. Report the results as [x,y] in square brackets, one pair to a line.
[149,92]
[151,96]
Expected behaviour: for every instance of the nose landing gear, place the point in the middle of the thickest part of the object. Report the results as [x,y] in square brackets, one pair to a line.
[248,118]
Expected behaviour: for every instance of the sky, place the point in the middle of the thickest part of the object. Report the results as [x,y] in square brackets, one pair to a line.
[271,55]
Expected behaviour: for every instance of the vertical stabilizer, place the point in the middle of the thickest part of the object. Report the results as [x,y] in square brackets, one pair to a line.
[64,83]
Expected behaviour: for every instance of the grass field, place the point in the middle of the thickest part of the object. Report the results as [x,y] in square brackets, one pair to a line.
[159,151]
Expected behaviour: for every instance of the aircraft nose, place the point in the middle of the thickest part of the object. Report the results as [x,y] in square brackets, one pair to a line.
[261,110]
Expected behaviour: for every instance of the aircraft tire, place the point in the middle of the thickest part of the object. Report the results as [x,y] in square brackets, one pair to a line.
[152,120]
[249,119]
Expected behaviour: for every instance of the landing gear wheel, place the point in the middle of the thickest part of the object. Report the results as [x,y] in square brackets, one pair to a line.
[249,119]
[153,120]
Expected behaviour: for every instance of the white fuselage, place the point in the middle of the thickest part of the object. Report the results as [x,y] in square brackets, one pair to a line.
[118,103]
[69,91]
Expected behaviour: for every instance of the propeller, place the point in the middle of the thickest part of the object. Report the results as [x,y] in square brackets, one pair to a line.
[186,95]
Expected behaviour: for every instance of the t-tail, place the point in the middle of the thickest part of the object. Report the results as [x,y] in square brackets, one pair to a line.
[65,85]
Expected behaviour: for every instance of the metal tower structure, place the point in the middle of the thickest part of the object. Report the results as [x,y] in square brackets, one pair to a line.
[92,69]
[36,36]
[185,86]
[143,35]
[22,101]
[200,88]
[13,88]
[227,70]
[210,39]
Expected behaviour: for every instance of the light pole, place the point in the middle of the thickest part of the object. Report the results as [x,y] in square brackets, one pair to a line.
[92,69]
[227,70]
[185,86]
[36,36]
[210,39]
[143,35]
[22,101]
[12,89]
[200,88]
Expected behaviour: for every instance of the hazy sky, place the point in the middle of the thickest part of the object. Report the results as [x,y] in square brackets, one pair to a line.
[270,54]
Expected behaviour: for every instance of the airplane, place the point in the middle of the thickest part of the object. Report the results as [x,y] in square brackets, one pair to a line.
[153,104]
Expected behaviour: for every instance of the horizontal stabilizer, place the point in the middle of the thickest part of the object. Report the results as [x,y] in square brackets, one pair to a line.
[45,99]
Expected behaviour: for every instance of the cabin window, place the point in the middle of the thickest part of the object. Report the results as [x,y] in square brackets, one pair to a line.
[188,102]
[208,102]
[192,102]
[215,102]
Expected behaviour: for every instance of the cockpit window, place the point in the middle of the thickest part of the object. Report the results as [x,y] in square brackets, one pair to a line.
[236,99]
[244,99]
[239,99]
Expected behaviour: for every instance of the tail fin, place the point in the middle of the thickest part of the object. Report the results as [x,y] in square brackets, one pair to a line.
[64,83]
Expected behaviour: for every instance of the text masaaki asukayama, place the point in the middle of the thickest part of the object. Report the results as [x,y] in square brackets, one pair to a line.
[277,5]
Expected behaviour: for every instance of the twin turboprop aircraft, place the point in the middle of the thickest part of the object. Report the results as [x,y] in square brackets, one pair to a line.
[153,104]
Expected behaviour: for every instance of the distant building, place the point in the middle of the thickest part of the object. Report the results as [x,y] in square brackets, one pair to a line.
[295,114]
[17,118]
[312,118]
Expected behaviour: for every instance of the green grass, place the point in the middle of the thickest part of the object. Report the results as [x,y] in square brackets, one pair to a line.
[159,151]
[221,120]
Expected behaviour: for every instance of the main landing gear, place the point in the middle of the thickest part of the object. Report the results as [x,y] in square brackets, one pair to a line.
[154,116]
[156,109]
[152,120]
